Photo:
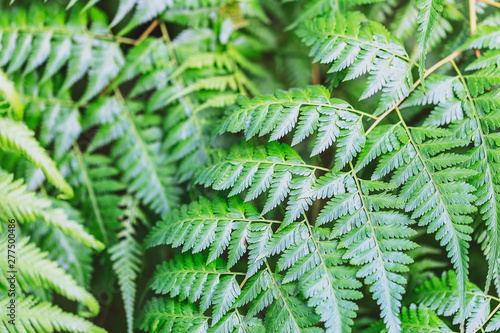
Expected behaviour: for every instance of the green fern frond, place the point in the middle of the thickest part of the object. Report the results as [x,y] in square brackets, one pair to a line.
[40,34]
[373,239]
[490,58]
[212,283]
[74,257]
[98,193]
[126,258]
[94,176]
[309,110]
[34,316]
[440,295]
[35,270]
[494,324]
[357,45]
[428,13]
[194,92]
[51,112]
[16,202]
[312,10]
[288,313]
[144,11]
[433,192]
[275,168]
[477,129]
[421,319]
[225,227]
[220,226]
[16,137]
[136,149]
[486,37]
[9,98]
[330,287]
[166,314]
[405,21]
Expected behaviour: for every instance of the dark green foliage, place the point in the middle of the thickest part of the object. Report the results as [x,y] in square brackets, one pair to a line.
[314,166]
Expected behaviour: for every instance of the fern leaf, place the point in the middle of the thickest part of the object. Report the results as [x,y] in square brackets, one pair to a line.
[490,58]
[307,111]
[195,92]
[337,42]
[10,94]
[166,314]
[36,270]
[364,233]
[428,13]
[135,146]
[35,39]
[431,195]
[316,263]
[494,324]
[97,195]
[265,168]
[146,11]
[486,37]
[16,137]
[105,64]
[73,256]
[126,258]
[287,313]
[442,296]
[229,225]
[420,319]
[33,316]
[124,7]
[383,139]
[480,121]
[26,207]
[215,285]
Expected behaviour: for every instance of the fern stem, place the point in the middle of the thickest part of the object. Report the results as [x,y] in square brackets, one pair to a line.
[314,167]
[491,3]
[415,85]
[243,283]
[90,191]
[488,172]
[232,219]
[283,298]
[141,142]
[365,208]
[322,260]
[316,78]
[405,58]
[240,320]
[313,104]
[461,275]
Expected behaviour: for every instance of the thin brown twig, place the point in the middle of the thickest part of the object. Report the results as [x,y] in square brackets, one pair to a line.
[473,22]
[491,3]
[316,78]
[148,31]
